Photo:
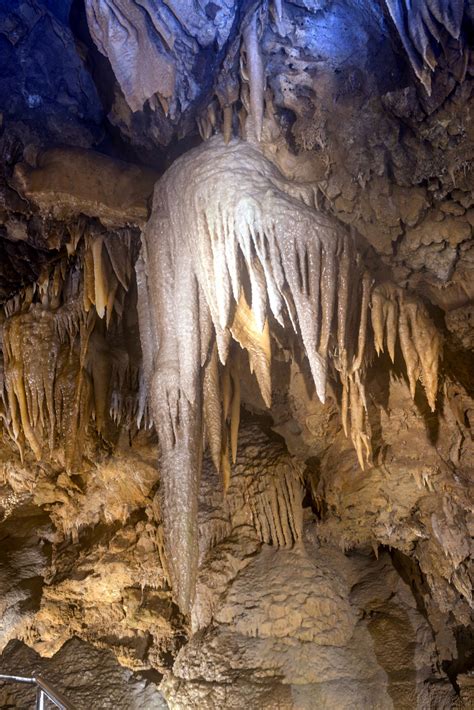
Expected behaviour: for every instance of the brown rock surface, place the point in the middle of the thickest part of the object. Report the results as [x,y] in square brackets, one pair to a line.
[332,551]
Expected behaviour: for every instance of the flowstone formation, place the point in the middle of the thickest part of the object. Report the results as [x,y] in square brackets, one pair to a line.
[244,245]
[236,353]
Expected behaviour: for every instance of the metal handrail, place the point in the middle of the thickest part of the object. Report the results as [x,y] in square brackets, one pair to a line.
[44,690]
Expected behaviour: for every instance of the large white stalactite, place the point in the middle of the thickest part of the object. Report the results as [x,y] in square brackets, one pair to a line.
[230,244]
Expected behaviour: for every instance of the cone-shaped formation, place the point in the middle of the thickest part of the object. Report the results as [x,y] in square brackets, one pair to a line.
[59,369]
[240,244]
[394,313]
[422,27]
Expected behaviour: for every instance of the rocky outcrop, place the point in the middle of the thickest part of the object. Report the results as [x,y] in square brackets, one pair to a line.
[46,90]
[292,603]
[66,183]
[85,676]
[314,581]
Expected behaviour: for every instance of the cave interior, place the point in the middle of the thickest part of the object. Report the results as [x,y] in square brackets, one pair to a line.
[237,353]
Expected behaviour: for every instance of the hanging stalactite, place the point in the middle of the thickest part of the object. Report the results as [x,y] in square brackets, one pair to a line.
[59,370]
[243,245]
[423,28]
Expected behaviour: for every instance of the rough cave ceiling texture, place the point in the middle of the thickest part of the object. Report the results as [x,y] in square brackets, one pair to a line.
[237,408]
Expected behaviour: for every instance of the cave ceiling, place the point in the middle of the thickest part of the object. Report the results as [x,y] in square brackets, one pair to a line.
[237,350]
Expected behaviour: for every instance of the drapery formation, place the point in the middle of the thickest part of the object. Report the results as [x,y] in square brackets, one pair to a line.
[230,245]
[60,365]
[424,27]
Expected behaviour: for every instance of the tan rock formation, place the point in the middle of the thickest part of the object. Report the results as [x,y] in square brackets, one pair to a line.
[236,423]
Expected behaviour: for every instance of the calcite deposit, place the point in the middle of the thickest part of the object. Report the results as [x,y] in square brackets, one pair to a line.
[237,353]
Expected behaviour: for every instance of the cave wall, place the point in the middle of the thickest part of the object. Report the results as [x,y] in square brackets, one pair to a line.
[317,582]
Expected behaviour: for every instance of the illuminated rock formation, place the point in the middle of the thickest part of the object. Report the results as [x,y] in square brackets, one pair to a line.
[236,353]
[241,225]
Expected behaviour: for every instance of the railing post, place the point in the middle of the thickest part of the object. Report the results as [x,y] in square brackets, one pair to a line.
[44,691]
[40,699]
[52,694]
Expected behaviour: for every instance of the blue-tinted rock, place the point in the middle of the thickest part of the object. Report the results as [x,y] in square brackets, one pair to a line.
[43,82]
